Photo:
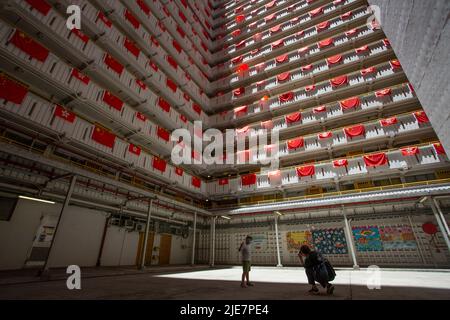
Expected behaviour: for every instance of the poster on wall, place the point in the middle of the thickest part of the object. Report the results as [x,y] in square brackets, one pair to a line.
[367,238]
[259,242]
[296,239]
[398,238]
[330,241]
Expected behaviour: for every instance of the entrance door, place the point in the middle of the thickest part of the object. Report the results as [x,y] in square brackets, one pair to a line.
[164,249]
[149,251]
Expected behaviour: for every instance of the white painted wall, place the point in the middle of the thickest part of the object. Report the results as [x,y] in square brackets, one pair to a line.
[181,250]
[120,248]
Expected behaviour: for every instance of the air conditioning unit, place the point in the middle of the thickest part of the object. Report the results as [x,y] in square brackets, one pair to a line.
[129,224]
[140,227]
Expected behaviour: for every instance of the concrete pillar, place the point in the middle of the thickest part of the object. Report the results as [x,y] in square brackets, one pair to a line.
[442,224]
[417,240]
[441,214]
[69,193]
[277,243]
[350,243]
[147,229]
[213,244]
[194,239]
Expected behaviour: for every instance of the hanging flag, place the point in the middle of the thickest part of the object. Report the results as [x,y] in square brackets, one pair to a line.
[316,12]
[103,137]
[334,60]
[362,49]
[421,117]
[271,4]
[196,182]
[306,171]
[322,26]
[284,77]
[376,160]
[355,131]
[388,121]
[350,103]
[131,47]
[325,135]
[29,46]
[240,111]
[274,176]
[325,43]
[132,19]
[339,81]
[383,93]
[308,67]
[277,44]
[134,149]
[197,108]
[340,163]
[248,179]
[171,85]
[240,18]
[295,143]
[40,5]
[236,33]
[164,104]
[237,60]
[238,92]
[352,32]
[112,100]
[395,64]
[141,84]
[286,97]
[386,42]
[410,151]
[240,45]
[270,17]
[439,148]
[294,117]
[319,109]
[113,64]
[80,35]
[275,29]
[140,116]
[281,59]
[62,113]
[347,15]
[11,90]
[159,164]
[223,182]
[183,118]
[179,171]
[310,88]
[77,74]
[143,6]
[370,70]
[163,133]
[105,20]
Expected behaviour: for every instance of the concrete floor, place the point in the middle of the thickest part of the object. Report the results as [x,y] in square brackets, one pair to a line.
[223,283]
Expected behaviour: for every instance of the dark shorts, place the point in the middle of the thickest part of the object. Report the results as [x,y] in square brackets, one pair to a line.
[246,266]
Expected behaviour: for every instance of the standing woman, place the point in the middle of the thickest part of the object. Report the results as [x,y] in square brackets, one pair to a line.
[245,250]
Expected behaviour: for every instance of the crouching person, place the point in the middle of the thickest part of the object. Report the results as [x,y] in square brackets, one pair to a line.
[318,269]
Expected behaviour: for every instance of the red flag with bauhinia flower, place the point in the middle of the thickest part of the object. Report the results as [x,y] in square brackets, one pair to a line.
[62,113]
[11,90]
[410,151]
[103,137]
[340,163]
[376,160]
[134,149]
[78,75]
[28,45]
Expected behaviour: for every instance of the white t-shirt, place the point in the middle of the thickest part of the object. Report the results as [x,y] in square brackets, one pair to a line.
[246,252]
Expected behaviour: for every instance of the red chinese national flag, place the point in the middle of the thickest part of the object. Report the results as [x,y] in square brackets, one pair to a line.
[179,172]
[223,182]
[295,143]
[112,101]
[171,85]
[40,5]
[163,104]
[339,81]
[306,171]
[376,160]
[439,148]
[421,117]
[340,163]
[159,164]
[358,130]
[388,122]
[134,149]
[248,179]
[77,74]
[80,35]
[294,117]
[132,19]
[350,103]
[103,137]
[196,182]
[131,47]
[11,90]
[410,151]
[29,46]
[113,64]
[64,114]
[163,134]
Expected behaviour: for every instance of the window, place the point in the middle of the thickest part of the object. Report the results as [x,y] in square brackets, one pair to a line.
[7,206]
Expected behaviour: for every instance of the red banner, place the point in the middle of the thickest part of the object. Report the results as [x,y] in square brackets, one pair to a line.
[295,143]
[388,122]
[196,182]
[350,103]
[77,74]
[62,113]
[326,43]
[362,49]
[284,76]
[240,111]
[113,64]
[307,67]
[340,163]
[339,81]
[355,131]
[40,5]
[275,29]
[351,32]
[144,7]
[306,171]
[334,59]
[319,109]
[163,134]
[197,108]
[131,47]
[439,148]
[316,12]
[383,93]
[310,88]
[277,44]
[367,71]
[375,160]
[325,135]
[132,19]
[281,59]
[80,35]
[421,117]
[322,26]
[179,171]
[410,151]
[104,19]
[112,100]
[29,46]
[395,64]
[248,179]
[237,60]
[11,90]
[163,104]
[103,137]
[347,15]
[293,117]
[140,116]
[159,164]
[171,85]
[286,97]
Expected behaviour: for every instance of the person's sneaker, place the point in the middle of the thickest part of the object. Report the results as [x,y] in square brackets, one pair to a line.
[330,289]
[250,284]
[314,290]
[243,285]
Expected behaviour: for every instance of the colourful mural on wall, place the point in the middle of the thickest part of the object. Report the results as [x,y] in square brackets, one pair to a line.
[296,239]
[259,242]
[398,237]
[367,238]
[330,241]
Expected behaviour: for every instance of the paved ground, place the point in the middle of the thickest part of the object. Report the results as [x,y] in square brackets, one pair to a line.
[223,283]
